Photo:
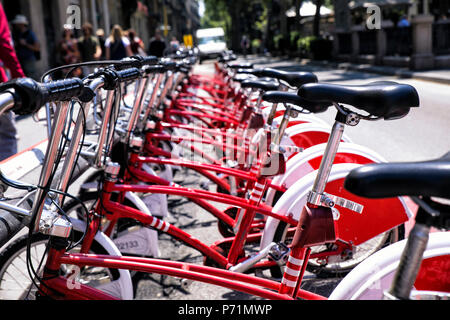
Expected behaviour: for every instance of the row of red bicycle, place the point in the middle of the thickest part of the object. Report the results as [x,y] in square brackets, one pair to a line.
[300,195]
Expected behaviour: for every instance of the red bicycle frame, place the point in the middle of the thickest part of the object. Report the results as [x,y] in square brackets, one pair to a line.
[56,286]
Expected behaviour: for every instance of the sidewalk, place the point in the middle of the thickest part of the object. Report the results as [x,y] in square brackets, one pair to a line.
[439,76]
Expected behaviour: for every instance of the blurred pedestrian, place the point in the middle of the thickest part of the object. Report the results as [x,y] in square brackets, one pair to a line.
[136,43]
[245,45]
[157,45]
[174,45]
[27,46]
[89,47]
[403,22]
[117,46]
[8,57]
[100,33]
[68,52]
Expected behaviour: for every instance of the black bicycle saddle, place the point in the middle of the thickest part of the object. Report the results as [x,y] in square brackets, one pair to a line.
[260,84]
[295,99]
[386,180]
[243,77]
[243,65]
[294,79]
[386,99]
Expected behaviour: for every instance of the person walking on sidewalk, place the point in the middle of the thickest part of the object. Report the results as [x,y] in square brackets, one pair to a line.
[245,45]
[68,52]
[136,43]
[157,45]
[89,47]
[27,46]
[117,46]
[8,57]
[100,33]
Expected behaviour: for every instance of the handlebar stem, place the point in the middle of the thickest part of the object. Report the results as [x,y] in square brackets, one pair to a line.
[49,160]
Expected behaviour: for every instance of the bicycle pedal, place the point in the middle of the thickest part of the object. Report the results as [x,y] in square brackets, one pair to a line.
[204,185]
[232,164]
[185,284]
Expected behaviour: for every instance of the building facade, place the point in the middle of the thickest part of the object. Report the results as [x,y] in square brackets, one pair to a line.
[421,42]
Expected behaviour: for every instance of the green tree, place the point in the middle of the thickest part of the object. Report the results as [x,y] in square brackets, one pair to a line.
[216,15]
[236,17]
[316,25]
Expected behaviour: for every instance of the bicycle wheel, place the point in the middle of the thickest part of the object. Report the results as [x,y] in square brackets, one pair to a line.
[373,277]
[16,284]
[129,235]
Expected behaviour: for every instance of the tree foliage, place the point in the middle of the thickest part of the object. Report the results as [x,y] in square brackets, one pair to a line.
[216,14]
[258,19]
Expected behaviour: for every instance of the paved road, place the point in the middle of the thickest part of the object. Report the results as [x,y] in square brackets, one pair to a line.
[422,135]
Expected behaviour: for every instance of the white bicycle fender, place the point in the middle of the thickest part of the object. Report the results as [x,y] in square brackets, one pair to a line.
[125,283]
[306,127]
[298,166]
[369,279]
[309,129]
[157,203]
[152,234]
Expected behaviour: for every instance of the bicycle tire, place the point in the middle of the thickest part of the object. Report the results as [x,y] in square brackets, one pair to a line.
[16,253]
[371,278]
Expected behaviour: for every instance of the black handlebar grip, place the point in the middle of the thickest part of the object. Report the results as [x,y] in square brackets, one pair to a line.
[169,65]
[62,90]
[127,63]
[30,96]
[149,61]
[154,69]
[129,74]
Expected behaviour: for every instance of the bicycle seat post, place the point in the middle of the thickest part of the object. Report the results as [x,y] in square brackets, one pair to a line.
[271,116]
[316,194]
[283,125]
[412,256]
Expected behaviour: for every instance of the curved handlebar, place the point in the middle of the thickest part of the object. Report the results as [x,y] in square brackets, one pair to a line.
[129,74]
[29,95]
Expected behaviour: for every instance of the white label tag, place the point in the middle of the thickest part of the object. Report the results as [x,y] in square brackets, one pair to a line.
[138,241]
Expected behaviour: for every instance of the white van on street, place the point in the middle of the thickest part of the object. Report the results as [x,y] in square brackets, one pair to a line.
[210,43]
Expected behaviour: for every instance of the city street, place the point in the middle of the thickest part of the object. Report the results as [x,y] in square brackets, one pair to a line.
[422,135]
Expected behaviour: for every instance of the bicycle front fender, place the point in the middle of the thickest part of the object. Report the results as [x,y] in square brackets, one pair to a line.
[309,160]
[306,135]
[124,282]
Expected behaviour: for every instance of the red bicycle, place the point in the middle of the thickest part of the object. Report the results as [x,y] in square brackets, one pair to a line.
[316,222]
